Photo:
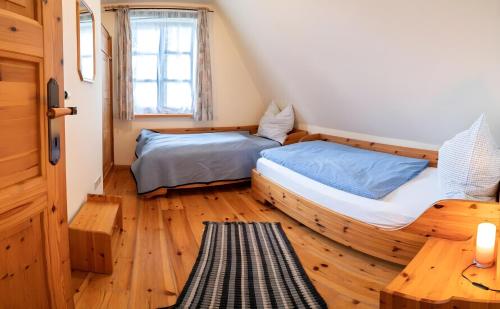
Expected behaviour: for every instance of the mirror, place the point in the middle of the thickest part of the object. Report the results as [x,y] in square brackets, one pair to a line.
[85,28]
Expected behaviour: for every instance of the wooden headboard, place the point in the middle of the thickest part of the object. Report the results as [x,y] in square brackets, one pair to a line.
[430,155]
[293,137]
[252,129]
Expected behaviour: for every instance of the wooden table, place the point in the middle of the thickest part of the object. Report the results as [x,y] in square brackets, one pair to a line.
[433,279]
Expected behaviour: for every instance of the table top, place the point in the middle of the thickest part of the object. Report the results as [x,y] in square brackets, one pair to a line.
[434,275]
[96,217]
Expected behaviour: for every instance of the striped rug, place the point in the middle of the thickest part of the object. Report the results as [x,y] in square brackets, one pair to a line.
[247,265]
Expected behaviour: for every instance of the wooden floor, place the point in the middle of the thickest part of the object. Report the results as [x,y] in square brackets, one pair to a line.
[162,236]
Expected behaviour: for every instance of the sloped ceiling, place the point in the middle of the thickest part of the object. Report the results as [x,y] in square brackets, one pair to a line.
[414,70]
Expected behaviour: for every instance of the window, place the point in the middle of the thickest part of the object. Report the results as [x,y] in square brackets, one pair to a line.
[163,61]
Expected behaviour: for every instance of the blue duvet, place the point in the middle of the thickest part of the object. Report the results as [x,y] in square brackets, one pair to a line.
[170,160]
[362,172]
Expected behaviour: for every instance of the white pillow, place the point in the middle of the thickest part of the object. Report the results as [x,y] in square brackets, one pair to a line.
[469,164]
[275,124]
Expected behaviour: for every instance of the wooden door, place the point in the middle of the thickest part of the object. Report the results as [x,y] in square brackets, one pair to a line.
[34,255]
[107,102]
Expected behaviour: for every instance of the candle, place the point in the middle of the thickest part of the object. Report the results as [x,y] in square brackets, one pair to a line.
[485,245]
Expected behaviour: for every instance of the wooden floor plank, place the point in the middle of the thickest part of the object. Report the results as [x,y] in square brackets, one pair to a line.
[181,244]
[153,282]
[97,298]
[158,247]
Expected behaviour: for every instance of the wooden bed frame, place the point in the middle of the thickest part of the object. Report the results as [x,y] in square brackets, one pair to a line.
[293,137]
[448,219]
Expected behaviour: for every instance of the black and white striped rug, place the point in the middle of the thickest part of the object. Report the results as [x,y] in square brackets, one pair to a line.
[247,265]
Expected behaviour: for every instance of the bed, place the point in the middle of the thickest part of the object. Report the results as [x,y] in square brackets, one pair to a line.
[398,209]
[393,228]
[197,157]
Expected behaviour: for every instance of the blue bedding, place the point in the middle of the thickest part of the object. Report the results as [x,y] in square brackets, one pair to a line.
[170,160]
[362,172]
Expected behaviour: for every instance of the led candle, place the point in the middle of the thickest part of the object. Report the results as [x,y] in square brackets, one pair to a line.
[485,245]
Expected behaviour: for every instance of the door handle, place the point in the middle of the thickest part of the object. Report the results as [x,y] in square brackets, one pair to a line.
[56,112]
[54,126]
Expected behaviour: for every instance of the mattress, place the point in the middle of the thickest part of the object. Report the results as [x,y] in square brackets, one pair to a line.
[396,210]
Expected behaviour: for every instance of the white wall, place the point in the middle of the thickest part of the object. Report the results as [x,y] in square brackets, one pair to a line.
[400,69]
[83,131]
[237,101]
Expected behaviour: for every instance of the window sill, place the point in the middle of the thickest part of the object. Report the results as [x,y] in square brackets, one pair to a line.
[142,116]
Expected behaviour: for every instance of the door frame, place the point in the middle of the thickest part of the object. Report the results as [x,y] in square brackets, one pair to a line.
[107,41]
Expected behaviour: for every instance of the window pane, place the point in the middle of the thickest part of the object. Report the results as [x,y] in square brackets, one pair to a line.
[173,38]
[180,38]
[145,38]
[185,39]
[179,67]
[144,67]
[179,98]
[145,97]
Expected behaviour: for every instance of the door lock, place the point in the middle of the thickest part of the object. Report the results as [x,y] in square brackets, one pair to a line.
[54,112]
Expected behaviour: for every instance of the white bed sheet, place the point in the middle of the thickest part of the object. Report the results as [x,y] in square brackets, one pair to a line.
[398,209]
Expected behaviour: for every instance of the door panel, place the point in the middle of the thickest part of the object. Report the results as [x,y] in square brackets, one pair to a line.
[26,8]
[33,219]
[20,107]
[23,246]
[20,34]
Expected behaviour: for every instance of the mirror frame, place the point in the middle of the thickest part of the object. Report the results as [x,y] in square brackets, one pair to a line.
[78,3]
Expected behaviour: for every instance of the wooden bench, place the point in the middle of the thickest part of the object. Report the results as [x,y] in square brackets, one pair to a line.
[91,234]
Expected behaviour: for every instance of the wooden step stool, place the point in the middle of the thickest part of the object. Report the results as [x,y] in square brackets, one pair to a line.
[92,231]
